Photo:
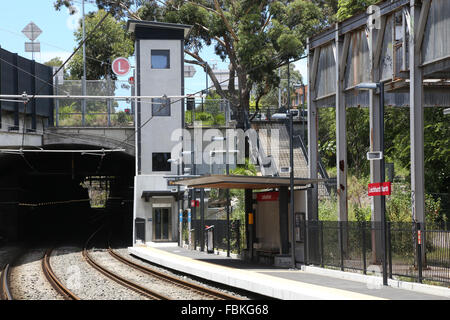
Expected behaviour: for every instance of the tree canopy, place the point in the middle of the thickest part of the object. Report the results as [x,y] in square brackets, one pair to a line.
[108,42]
[347,8]
[255,37]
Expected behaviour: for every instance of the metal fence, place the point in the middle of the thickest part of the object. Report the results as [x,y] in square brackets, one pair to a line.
[219,230]
[211,112]
[94,113]
[359,246]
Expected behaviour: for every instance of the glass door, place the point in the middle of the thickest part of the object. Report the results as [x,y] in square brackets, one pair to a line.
[161,224]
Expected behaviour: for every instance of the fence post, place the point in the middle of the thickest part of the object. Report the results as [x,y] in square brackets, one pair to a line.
[389,248]
[364,247]
[419,238]
[341,244]
[238,236]
[321,245]
[305,241]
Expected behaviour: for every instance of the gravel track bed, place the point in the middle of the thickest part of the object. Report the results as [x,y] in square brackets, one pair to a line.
[124,252]
[84,281]
[169,290]
[27,280]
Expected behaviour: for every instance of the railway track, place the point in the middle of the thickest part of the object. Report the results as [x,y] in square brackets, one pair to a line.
[121,280]
[5,287]
[5,292]
[53,280]
[93,258]
[214,294]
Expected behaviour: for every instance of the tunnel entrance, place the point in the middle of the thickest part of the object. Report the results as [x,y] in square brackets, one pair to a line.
[62,196]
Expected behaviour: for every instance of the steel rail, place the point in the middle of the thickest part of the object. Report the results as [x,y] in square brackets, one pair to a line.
[175,281]
[53,280]
[125,282]
[5,292]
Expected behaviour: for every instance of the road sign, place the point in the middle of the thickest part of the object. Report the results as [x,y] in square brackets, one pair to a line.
[31,31]
[380,189]
[32,47]
[121,66]
[375,155]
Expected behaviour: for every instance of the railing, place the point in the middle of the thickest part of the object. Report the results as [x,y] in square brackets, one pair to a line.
[211,112]
[220,234]
[106,112]
[94,119]
[358,246]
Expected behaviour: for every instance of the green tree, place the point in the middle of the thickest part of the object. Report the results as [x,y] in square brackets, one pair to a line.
[108,42]
[268,96]
[347,8]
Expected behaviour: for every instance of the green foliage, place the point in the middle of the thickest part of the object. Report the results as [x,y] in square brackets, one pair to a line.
[108,42]
[246,169]
[348,8]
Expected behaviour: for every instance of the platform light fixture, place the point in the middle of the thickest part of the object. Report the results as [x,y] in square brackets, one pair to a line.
[380,87]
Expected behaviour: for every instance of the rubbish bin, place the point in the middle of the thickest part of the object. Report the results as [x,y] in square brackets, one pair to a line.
[209,239]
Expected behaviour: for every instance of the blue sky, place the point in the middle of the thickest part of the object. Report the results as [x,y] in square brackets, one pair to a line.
[57,39]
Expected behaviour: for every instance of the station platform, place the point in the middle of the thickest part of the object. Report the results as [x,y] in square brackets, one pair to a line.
[285,284]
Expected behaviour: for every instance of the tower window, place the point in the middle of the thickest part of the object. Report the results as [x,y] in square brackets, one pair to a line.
[159,108]
[160,59]
[159,161]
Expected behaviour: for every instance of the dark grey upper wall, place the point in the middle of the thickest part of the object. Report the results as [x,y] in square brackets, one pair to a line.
[18,75]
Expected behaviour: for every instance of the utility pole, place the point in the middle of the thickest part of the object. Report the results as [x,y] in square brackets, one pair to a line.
[83,80]
[291,165]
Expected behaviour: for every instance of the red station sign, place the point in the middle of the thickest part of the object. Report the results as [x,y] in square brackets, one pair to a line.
[380,189]
[267,196]
[121,66]
[195,203]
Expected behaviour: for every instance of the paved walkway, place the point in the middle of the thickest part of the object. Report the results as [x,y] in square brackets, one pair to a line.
[279,283]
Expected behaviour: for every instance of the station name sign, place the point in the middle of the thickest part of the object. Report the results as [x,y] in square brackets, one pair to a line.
[267,196]
[380,189]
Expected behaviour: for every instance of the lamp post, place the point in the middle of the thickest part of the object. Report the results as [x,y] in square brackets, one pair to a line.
[288,116]
[227,190]
[380,87]
[193,195]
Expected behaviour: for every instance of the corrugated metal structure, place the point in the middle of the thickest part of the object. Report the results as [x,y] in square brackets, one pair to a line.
[406,45]
[18,75]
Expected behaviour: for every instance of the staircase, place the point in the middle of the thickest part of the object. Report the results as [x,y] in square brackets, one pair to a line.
[273,147]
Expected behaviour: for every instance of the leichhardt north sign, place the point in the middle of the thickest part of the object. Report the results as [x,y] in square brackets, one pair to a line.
[379,189]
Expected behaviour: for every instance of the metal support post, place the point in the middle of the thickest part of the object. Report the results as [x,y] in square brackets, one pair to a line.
[109,101]
[83,79]
[341,134]
[416,95]
[291,171]
[383,198]
[189,229]
[375,119]
[364,247]
[202,219]
[313,194]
